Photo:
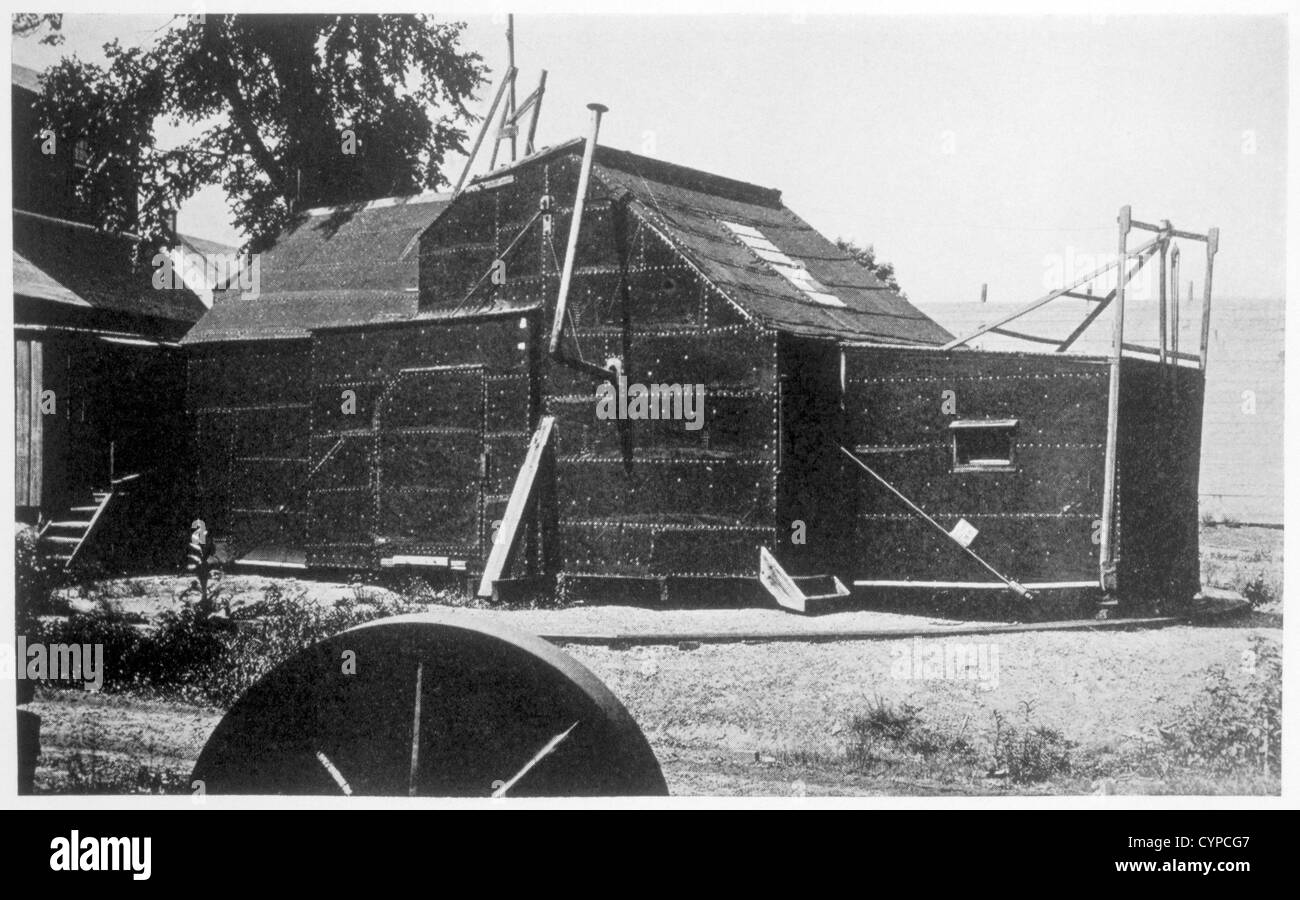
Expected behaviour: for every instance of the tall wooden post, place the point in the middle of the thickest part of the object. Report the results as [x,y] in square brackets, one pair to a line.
[1164,293]
[510,64]
[1173,302]
[575,226]
[1211,248]
[482,132]
[1107,562]
[537,111]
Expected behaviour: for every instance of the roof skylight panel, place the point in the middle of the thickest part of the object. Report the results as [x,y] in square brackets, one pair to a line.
[791,269]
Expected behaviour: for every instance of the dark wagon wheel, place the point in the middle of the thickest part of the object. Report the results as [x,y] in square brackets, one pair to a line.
[430,705]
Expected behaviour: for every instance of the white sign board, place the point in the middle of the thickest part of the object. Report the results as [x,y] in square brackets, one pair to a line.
[964,532]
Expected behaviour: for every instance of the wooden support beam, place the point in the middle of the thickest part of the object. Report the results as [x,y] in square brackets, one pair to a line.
[524,107]
[1036,338]
[1164,292]
[510,104]
[1047,298]
[482,132]
[504,129]
[1107,555]
[1165,228]
[1155,351]
[1102,306]
[507,538]
[1211,248]
[1083,326]
[977,585]
[1015,588]
[1173,299]
[540,93]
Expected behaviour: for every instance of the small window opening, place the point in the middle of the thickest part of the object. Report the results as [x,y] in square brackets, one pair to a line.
[983,445]
[81,154]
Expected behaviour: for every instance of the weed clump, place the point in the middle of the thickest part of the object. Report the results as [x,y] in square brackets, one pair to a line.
[1028,752]
[1235,725]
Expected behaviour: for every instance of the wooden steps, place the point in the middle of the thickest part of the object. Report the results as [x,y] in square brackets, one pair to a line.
[63,539]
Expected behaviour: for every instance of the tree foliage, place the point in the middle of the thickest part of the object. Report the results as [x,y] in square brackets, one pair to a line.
[27,24]
[289,112]
[83,102]
[866,257]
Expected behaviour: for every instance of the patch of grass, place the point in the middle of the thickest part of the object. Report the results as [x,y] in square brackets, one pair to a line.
[889,734]
[94,769]
[1235,726]
[92,772]
[196,658]
[1028,752]
[432,591]
[1209,519]
[895,740]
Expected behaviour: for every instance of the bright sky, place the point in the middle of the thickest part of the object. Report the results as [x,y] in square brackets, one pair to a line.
[966,149]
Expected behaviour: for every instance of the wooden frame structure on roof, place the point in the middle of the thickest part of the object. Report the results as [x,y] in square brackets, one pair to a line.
[1167,352]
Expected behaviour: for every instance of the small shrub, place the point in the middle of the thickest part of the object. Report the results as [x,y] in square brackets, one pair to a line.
[285,624]
[1028,752]
[361,592]
[883,722]
[198,658]
[426,590]
[1257,592]
[183,655]
[888,733]
[122,642]
[36,579]
[1236,724]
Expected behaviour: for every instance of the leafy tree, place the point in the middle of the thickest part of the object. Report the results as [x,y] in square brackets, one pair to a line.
[113,119]
[296,111]
[27,24]
[866,257]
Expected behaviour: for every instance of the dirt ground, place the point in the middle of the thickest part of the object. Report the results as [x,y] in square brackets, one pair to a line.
[728,719]
[776,719]
[769,719]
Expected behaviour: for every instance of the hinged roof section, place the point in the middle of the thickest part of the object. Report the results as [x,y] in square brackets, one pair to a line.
[766,259]
[343,265]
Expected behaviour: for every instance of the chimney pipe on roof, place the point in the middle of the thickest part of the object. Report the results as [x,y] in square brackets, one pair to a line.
[571,251]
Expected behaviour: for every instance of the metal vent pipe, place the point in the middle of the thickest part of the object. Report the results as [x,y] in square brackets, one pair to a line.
[571,251]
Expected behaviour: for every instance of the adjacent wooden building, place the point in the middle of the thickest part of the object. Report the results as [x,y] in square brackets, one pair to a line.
[98,370]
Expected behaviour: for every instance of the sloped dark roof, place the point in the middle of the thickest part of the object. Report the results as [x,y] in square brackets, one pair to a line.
[30,281]
[294,314]
[689,207]
[337,266]
[205,246]
[360,252]
[25,78]
[76,265]
[372,246]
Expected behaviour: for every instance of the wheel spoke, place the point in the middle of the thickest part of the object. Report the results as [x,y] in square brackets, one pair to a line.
[415,729]
[546,751]
[334,773]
